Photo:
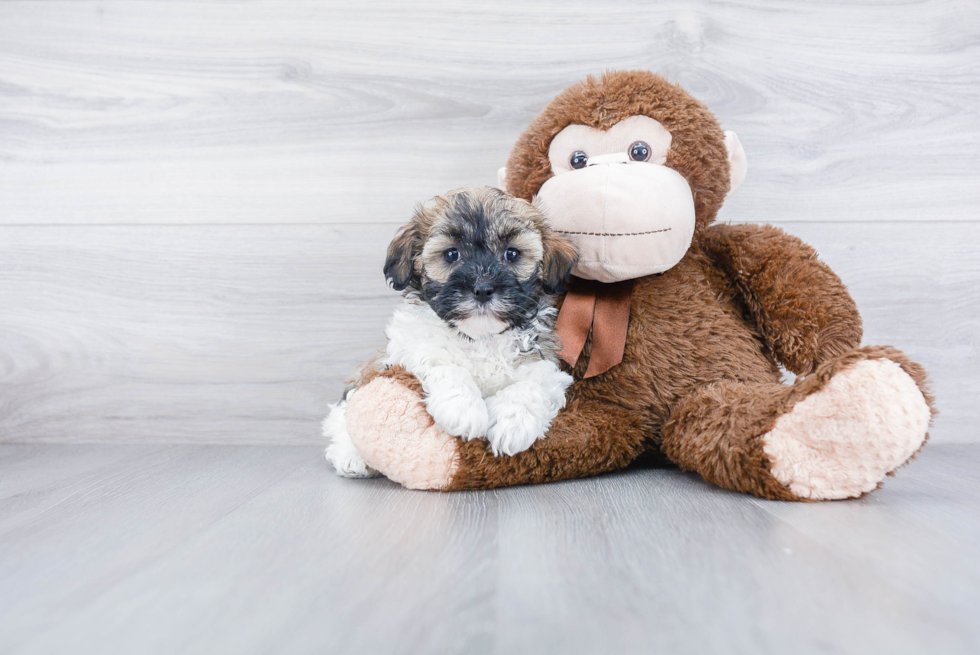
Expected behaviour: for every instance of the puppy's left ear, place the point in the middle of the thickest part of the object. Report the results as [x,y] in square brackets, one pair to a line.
[400,264]
[556,263]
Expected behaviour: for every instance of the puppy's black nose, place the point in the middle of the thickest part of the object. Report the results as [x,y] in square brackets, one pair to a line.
[483,291]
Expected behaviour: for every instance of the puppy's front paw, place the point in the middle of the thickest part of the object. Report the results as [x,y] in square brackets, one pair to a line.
[513,427]
[459,412]
[342,454]
[348,463]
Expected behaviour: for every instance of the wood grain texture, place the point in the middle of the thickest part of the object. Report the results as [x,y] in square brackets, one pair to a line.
[195,196]
[261,549]
[244,334]
[313,112]
[217,333]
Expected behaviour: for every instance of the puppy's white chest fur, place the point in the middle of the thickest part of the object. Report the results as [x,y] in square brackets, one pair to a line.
[419,340]
[505,387]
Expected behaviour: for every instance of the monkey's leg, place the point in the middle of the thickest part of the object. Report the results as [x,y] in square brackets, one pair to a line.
[391,429]
[833,434]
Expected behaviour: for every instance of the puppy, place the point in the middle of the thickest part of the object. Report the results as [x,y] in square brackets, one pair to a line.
[478,269]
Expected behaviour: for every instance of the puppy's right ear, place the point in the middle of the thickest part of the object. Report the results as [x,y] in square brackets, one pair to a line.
[400,264]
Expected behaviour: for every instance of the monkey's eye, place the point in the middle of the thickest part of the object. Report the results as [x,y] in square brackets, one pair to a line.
[512,254]
[451,255]
[639,151]
[578,159]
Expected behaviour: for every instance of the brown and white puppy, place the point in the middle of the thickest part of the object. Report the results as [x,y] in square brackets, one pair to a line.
[479,269]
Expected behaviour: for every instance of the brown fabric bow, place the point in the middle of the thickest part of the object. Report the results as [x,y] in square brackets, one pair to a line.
[603,309]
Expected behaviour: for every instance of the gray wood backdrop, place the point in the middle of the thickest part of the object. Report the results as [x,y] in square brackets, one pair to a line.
[195,197]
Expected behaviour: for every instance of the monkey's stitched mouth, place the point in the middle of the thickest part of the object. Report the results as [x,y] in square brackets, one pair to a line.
[615,234]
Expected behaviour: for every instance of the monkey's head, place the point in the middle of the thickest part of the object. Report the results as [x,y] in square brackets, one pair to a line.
[628,167]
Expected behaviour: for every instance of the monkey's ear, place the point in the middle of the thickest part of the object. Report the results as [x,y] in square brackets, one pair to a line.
[400,264]
[502,179]
[737,164]
[556,263]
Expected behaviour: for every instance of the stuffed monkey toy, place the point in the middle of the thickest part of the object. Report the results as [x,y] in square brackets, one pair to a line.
[673,328]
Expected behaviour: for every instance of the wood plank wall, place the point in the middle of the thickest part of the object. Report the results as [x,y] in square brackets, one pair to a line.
[195,197]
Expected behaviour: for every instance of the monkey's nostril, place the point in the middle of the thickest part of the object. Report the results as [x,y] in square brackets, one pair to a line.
[483,291]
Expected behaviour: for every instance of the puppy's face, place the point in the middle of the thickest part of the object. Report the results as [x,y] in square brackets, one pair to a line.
[481,259]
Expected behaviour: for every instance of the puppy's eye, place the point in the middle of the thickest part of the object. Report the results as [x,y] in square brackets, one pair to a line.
[639,151]
[451,255]
[578,159]
[512,254]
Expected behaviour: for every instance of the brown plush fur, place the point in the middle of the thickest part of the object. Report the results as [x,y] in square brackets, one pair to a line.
[699,380]
[775,276]
[718,430]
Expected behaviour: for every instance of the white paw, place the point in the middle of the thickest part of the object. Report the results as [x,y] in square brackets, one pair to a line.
[841,441]
[513,427]
[341,453]
[348,463]
[460,412]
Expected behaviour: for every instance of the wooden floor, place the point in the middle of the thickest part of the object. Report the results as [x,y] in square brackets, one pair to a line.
[258,549]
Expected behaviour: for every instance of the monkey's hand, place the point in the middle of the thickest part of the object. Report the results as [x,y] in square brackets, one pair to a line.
[454,402]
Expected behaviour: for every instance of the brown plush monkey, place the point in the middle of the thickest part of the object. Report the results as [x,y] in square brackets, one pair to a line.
[674,327]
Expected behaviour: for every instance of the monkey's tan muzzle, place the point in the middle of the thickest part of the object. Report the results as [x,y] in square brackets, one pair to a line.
[626,219]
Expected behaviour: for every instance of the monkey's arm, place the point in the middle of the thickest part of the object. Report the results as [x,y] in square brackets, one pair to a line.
[800,307]
[390,428]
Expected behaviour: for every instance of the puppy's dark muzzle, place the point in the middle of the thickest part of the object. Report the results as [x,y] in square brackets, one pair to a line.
[483,291]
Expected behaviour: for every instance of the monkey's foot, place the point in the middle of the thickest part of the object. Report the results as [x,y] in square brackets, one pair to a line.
[841,441]
[389,426]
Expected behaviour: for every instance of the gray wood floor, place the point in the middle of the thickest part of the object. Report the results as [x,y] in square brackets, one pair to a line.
[252,549]
[195,197]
